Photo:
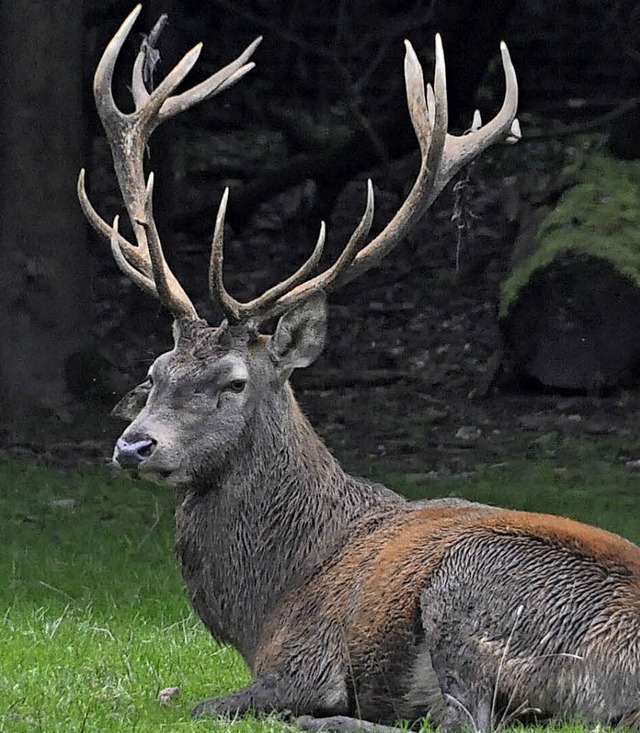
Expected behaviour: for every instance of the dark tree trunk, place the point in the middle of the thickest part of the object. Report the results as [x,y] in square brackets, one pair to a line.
[624,135]
[42,236]
[624,138]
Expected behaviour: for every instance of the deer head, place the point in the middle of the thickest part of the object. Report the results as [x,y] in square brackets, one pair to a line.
[220,387]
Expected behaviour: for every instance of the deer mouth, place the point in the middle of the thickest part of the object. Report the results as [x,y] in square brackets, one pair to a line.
[164,476]
[148,471]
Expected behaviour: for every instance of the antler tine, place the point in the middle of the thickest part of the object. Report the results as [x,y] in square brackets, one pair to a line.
[215,84]
[103,77]
[128,135]
[229,305]
[234,310]
[264,303]
[162,284]
[326,280]
[430,128]
[442,154]
[504,126]
[160,104]
[136,276]
[126,249]
[294,289]
[168,288]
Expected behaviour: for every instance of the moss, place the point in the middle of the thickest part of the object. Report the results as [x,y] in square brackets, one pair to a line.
[598,216]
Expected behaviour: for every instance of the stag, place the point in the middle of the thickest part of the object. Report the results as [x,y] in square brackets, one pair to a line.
[352,607]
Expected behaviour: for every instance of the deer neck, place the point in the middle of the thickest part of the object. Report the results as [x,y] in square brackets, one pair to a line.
[251,531]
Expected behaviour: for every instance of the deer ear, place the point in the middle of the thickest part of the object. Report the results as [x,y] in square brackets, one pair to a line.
[300,336]
[131,404]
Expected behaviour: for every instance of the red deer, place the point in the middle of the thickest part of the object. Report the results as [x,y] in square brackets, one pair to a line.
[352,607]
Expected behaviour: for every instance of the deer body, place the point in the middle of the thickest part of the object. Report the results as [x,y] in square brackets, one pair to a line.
[438,610]
[346,600]
[348,603]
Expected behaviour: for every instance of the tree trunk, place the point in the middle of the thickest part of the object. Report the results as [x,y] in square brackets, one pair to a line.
[624,141]
[42,235]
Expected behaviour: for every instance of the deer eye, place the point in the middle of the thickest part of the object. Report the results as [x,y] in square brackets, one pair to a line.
[237,385]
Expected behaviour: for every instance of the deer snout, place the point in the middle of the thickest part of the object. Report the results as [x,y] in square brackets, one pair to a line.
[130,454]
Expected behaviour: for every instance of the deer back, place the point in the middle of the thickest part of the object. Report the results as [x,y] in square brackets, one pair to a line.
[518,605]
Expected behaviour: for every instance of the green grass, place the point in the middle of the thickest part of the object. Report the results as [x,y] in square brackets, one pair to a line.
[93,617]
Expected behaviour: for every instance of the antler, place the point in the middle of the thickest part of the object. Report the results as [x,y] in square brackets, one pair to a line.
[442,156]
[128,134]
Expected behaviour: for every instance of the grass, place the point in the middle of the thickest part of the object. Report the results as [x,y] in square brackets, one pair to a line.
[94,620]
[93,617]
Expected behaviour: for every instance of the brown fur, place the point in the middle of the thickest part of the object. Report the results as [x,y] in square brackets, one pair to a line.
[374,603]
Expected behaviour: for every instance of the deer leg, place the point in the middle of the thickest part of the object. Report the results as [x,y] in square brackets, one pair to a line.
[258,697]
[272,693]
[226,706]
[461,695]
[343,724]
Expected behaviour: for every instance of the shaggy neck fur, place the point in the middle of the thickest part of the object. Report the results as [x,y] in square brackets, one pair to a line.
[258,525]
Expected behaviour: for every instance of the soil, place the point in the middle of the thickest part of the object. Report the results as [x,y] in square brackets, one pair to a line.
[405,382]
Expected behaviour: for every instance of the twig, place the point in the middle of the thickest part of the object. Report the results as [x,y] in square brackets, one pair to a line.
[275,29]
[149,532]
[464,709]
[151,53]
[57,590]
[590,126]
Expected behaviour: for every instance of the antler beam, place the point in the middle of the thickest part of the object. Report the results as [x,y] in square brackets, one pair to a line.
[128,135]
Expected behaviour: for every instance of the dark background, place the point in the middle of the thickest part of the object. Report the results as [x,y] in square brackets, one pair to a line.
[295,140]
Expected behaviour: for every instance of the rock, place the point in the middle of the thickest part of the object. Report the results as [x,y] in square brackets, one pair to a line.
[534,422]
[468,433]
[63,503]
[166,696]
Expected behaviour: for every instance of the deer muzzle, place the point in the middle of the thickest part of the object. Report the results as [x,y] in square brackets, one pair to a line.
[130,454]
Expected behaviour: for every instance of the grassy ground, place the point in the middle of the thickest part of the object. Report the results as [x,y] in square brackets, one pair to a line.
[94,620]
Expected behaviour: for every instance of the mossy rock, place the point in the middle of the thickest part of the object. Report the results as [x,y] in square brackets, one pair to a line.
[599,216]
[569,309]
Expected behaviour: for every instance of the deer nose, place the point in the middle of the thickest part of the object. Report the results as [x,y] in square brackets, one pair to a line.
[130,454]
